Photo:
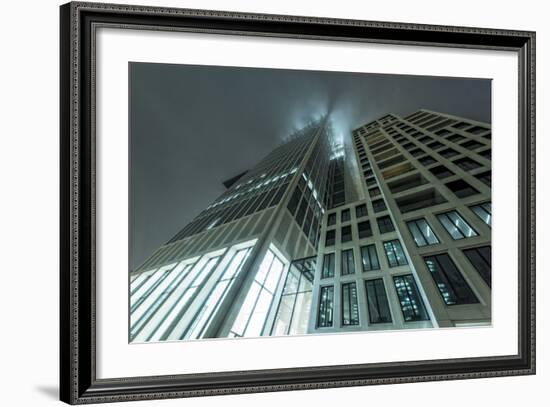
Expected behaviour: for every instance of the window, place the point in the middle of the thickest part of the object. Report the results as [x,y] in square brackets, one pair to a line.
[441,172]
[385,224]
[477,130]
[419,200]
[330,238]
[485,154]
[210,306]
[326,304]
[361,210]
[370,182]
[417,152]
[391,161]
[369,258]
[461,188]
[328,266]
[455,224]
[377,302]
[422,233]
[455,138]
[443,132]
[472,144]
[253,313]
[467,164]
[364,229]
[345,215]
[480,257]
[450,282]
[408,182]
[485,177]
[483,211]
[294,200]
[350,308]
[294,307]
[427,160]
[150,292]
[425,139]
[435,145]
[346,234]
[331,219]
[409,298]
[374,192]
[461,125]
[398,170]
[379,205]
[348,262]
[448,153]
[394,253]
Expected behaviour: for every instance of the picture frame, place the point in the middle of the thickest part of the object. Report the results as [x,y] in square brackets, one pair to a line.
[78,346]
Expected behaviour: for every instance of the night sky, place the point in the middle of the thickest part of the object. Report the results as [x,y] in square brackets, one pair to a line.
[193,127]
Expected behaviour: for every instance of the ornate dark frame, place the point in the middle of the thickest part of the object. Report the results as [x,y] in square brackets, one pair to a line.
[78,382]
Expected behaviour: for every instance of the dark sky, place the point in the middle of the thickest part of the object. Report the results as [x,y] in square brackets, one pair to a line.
[192,127]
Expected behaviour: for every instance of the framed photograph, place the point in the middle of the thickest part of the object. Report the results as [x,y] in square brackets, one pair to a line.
[255,203]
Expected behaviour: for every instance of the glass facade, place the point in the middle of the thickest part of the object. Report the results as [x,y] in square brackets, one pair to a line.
[254,311]
[295,305]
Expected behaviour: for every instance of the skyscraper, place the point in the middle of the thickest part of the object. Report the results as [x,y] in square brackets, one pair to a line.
[313,239]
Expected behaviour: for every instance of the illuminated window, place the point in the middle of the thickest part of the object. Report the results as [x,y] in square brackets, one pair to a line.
[394,253]
[294,307]
[326,305]
[253,313]
[211,304]
[411,303]
[350,308]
